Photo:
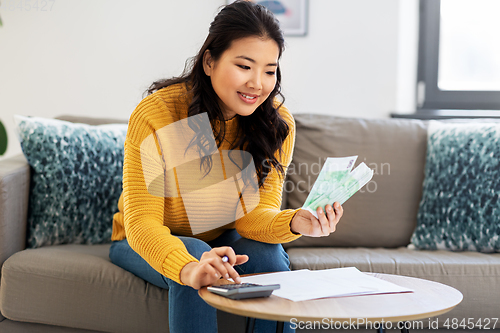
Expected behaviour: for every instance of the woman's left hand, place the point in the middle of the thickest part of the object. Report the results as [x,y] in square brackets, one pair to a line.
[305,223]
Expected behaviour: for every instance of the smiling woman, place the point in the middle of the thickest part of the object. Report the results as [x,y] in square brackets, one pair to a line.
[234,82]
[244,76]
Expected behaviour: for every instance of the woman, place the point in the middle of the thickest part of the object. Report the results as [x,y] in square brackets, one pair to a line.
[233,82]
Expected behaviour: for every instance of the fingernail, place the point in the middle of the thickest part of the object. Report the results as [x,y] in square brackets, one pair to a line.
[216,275]
[330,209]
[226,276]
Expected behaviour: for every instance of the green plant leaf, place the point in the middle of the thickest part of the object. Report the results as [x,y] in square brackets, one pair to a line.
[3,139]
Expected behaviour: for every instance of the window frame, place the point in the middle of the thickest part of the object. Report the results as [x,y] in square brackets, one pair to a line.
[429,96]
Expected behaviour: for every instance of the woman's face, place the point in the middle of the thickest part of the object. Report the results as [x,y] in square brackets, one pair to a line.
[245,74]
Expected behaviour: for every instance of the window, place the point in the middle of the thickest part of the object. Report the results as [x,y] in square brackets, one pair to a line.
[459,55]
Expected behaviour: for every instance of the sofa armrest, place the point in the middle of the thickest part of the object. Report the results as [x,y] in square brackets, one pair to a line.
[14,193]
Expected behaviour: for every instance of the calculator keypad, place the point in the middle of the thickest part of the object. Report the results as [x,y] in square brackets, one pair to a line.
[237,286]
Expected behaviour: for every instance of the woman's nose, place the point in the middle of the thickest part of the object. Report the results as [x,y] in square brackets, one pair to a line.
[255,82]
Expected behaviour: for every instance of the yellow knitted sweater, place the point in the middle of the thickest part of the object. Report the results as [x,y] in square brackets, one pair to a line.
[150,222]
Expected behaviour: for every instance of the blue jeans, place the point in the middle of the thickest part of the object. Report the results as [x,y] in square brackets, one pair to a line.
[187,311]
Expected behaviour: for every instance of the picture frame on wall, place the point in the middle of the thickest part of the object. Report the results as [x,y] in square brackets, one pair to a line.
[292,14]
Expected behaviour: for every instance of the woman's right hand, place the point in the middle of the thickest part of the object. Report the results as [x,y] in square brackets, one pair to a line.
[211,268]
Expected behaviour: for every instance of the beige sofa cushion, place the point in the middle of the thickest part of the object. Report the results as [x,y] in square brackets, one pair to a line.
[77,286]
[384,212]
[9,326]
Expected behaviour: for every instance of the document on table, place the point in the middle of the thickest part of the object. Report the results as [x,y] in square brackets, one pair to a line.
[303,285]
[336,182]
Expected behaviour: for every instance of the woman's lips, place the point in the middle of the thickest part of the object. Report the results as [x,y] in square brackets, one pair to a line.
[248,98]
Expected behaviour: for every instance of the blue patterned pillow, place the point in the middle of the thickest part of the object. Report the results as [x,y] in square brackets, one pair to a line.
[460,206]
[76,179]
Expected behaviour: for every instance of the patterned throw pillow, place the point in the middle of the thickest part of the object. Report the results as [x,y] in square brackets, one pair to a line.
[460,206]
[76,179]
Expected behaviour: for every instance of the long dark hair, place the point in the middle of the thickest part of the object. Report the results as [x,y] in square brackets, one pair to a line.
[264,131]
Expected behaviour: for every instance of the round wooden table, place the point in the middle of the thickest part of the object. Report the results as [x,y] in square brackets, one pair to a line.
[429,299]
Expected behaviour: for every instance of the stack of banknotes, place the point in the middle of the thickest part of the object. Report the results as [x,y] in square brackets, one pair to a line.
[336,182]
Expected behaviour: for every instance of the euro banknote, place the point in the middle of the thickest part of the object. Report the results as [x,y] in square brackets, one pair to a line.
[337,182]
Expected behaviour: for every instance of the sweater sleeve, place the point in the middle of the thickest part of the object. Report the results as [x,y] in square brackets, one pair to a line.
[267,222]
[143,211]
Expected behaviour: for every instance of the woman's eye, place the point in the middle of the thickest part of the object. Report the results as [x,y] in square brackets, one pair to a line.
[243,66]
[271,73]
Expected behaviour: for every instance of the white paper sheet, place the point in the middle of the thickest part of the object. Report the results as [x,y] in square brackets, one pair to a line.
[304,285]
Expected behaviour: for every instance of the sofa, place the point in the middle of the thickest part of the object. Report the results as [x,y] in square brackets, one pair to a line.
[75,287]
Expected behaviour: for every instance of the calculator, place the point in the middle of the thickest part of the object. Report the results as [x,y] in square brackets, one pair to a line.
[244,290]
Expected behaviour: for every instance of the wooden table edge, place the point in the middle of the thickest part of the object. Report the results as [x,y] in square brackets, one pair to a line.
[287,318]
[284,318]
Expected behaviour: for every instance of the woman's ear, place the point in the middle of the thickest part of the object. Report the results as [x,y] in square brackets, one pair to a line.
[208,63]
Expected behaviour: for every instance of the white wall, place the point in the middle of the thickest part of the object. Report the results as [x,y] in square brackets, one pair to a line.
[348,63]
[96,57]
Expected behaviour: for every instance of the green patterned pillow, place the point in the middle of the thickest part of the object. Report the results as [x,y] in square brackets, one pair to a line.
[460,206]
[76,179]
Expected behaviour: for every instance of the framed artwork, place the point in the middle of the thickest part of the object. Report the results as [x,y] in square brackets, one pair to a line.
[292,14]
